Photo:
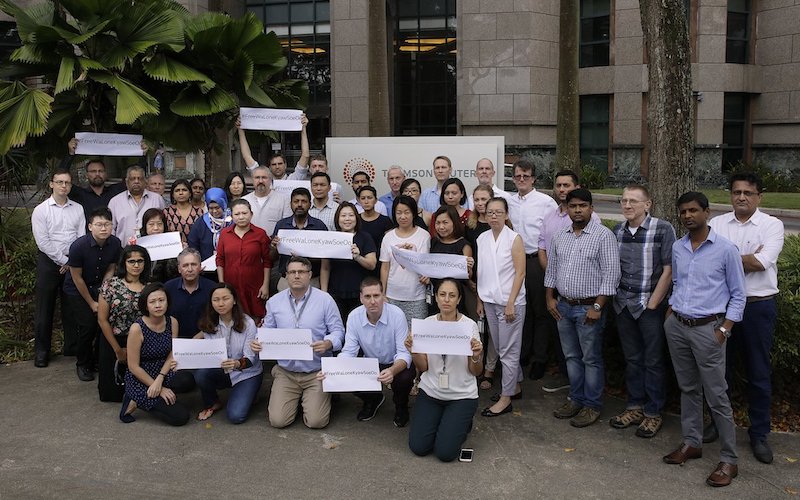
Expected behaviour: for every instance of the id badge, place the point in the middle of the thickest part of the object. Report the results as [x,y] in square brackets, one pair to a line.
[481,327]
[444,381]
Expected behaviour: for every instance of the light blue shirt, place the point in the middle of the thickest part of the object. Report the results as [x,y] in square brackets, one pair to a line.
[238,344]
[430,200]
[320,315]
[387,200]
[384,340]
[709,280]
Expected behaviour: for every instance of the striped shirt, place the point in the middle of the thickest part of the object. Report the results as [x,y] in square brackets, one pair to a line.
[642,257]
[583,266]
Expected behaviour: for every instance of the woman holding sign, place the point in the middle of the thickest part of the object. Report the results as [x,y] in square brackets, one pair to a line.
[449,239]
[501,261]
[242,371]
[342,278]
[243,260]
[151,383]
[448,391]
[154,222]
[404,288]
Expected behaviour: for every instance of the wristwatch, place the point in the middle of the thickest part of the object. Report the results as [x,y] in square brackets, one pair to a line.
[597,307]
[724,331]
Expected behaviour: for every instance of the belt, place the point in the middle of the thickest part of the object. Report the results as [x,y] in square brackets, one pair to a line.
[760,299]
[697,321]
[580,302]
[531,255]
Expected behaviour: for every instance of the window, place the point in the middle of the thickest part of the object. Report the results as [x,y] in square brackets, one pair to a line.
[9,39]
[303,27]
[424,100]
[734,129]
[595,33]
[594,130]
[738,32]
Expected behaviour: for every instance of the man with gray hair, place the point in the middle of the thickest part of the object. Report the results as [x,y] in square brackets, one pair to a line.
[484,172]
[129,206]
[395,177]
[189,293]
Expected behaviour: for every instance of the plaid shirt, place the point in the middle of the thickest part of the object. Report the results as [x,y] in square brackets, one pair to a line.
[583,266]
[642,257]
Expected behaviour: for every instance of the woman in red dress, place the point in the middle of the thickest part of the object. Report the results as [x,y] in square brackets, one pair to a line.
[243,260]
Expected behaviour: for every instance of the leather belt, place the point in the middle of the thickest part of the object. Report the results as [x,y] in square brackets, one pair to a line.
[580,302]
[760,299]
[697,321]
[531,255]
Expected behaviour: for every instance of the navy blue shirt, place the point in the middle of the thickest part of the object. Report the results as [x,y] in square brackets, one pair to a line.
[188,307]
[93,260]
[312,224]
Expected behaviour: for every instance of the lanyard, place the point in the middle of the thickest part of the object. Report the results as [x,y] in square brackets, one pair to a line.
[298,314]
[444,363]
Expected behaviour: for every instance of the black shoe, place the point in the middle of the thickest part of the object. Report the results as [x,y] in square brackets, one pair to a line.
[487,412]
[41,360]
[496,396]
[710,433]
[762,451]
[537,371]
[401,416]
[370,409]
[85,373]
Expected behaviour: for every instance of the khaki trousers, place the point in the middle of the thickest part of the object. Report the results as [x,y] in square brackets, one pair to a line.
[289,388]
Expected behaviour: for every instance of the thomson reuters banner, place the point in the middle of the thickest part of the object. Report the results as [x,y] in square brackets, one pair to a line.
[374,155]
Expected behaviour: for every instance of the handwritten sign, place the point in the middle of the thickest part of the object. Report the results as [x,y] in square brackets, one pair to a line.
[286,186]
[90,143]
[162,246]
[350,374]
[271,119]
[316,244]
[285,344]
[432,265]
[199,353]
[441,337]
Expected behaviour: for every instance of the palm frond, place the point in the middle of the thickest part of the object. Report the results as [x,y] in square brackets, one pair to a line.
[66,75]
[204,22]
[191,101]
[144,27]
[167,69]
[132,101]
[23,113]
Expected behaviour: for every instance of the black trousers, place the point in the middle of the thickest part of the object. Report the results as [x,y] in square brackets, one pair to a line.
[538,329]
[175,414]
[48,289]
[86,328]
[401,387]
[107,386]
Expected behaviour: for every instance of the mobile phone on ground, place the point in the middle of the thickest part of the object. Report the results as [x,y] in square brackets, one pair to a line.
[466,455]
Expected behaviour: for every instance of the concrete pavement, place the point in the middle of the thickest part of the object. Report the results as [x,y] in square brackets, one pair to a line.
[58,440]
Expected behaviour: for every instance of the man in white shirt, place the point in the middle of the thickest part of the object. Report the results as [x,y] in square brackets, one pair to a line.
[277,163]
[129,206]
[56,223]
[269,206]
[484,172]
[527,208]
[759,238]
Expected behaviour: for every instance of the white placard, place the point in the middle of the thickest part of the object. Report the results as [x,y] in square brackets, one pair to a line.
[441,337]
[162,246]
[316,244]
[286,186]
[432,265]
[271,119]
[90,143]
[210,264]
[350,374]
[285,344]
[199,353]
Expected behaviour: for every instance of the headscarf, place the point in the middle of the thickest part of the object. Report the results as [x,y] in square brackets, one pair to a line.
[217,195]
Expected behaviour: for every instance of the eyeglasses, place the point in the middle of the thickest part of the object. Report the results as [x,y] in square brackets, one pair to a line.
[523,177]
[748,194]
[135,262]
[101,225]
[297,272]
[495,213]
[627,201]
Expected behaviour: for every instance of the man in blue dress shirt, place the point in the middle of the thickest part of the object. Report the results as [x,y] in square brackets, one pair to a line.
[708,297]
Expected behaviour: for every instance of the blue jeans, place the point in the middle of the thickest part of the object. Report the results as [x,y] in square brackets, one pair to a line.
[583,350]
[242,395]
[643,343]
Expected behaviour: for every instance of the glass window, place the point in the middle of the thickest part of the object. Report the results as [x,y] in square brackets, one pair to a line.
[594,130]
[424,97]
[734,129]
[738,32]
[595,33]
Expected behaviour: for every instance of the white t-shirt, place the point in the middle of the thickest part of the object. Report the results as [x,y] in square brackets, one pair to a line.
[461,383]
[404,284]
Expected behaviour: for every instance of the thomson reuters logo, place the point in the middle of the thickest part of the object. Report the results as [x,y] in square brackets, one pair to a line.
[354,165]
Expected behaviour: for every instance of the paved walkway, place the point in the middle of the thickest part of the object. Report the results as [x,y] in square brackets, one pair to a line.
[58,440]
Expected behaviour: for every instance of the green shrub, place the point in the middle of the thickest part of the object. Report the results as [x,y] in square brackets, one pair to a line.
[786,349]
[593,177]
[774,181]
[18,272]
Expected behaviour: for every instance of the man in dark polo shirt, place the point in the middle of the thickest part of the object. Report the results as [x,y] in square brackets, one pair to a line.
[92,259]
[189,294]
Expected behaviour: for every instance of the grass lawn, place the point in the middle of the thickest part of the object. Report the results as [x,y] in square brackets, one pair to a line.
[770,200]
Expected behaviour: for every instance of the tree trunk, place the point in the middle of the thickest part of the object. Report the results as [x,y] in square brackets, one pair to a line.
[568,125]
[669,105]
[377,70]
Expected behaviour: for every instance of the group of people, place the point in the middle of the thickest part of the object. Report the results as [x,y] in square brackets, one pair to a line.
[543,275]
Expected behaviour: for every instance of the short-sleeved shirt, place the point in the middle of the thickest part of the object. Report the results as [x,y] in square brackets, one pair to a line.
[312,224]
[123,305]
[461,383]
[346,275]
[93,261]
[188,307]
[403,284]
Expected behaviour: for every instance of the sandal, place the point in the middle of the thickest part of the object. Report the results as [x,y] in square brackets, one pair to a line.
[209,412]
[486,383]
